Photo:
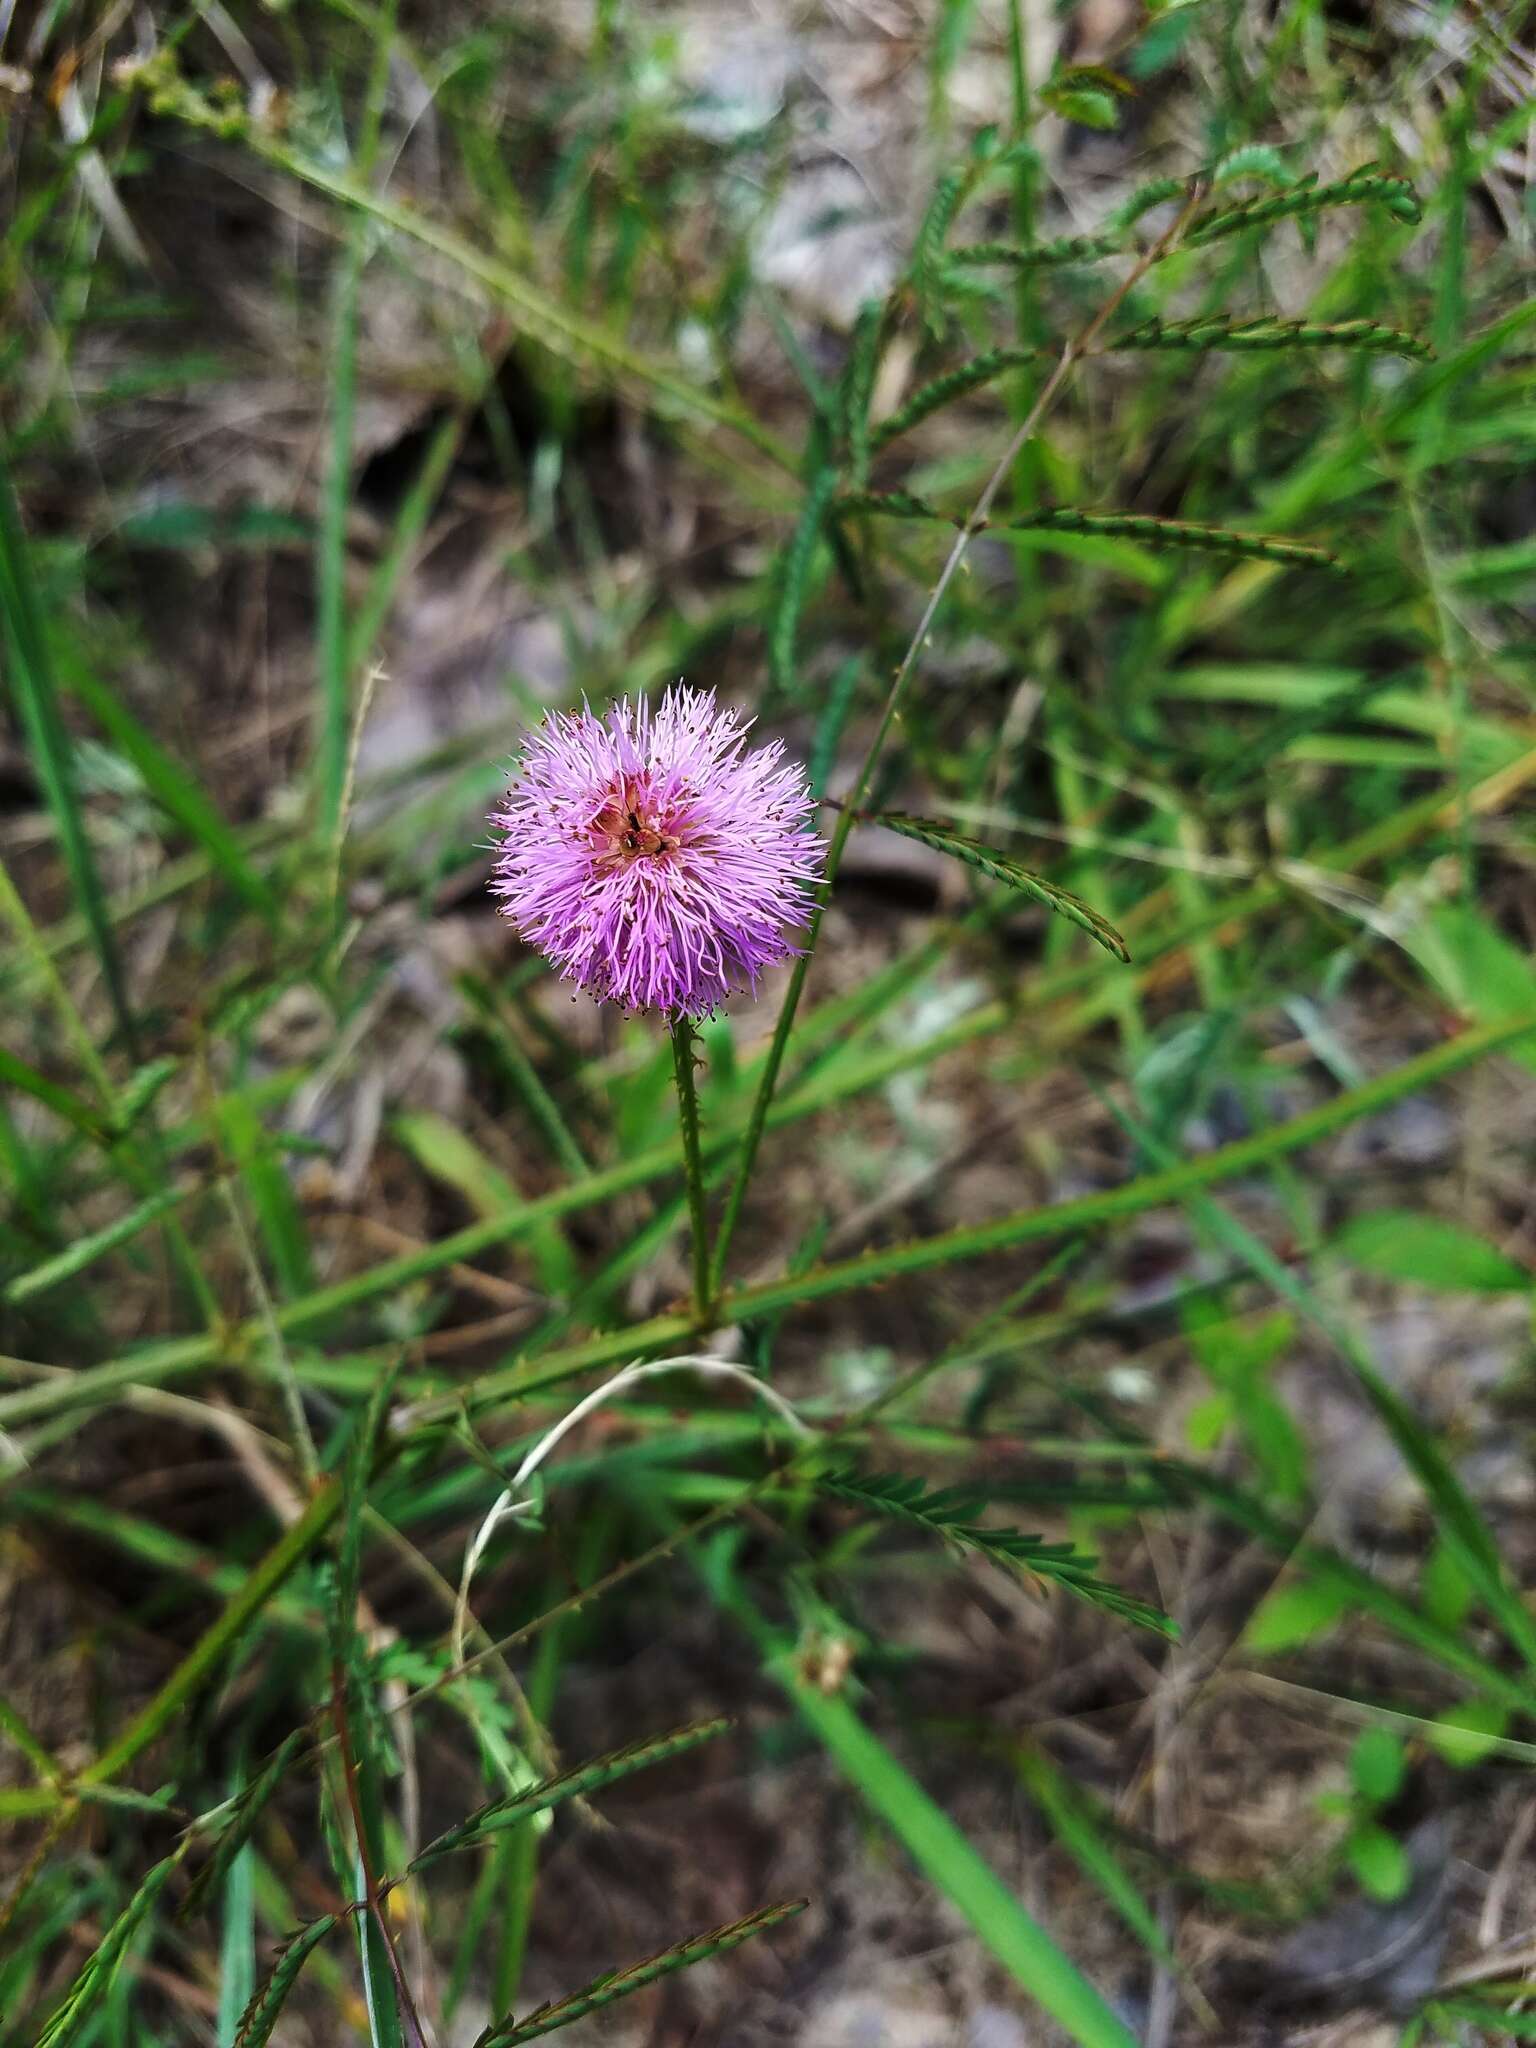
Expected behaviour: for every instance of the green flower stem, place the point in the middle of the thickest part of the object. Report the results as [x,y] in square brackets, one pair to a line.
[683,1039]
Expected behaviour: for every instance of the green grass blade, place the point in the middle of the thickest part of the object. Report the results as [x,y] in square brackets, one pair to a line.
[15,1072]
[944,1855]
[523,1075]
[157,1363]
[85,1251]
[174,790]
[544,317]
[333,723]
[237,1947]
[29,660]
[1073,1822]
[1461,1526]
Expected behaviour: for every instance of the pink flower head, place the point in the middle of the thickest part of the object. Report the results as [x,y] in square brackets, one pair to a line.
[651,856]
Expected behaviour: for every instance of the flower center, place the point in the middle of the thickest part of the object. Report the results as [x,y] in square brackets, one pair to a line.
[632,826]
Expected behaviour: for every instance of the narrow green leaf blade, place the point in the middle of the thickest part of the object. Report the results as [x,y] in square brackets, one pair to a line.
[29,661]
[243,1821]
[617,1984]
[950,1513]
[1220,331]
[945,1856]
[1002,867]
[942,391]
[85,1251]
[174,790]
[591,1776]
[1182,534]
[1428,1251]
[265,2009]
[1072,1820]
[83,1998]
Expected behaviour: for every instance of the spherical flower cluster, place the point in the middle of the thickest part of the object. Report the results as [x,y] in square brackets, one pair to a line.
[652,856]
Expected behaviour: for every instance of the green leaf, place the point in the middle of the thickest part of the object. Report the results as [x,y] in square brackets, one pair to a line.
[580,1779]
[1220,331]
[1086,105]
[942,391]
[1379,1861]
[1207,1422]
[1376,1765]
[1444,1588]
[1476,968]
[1002,867]
[83,1998]
[1467,1733]
[950,1513]
[1367,184]
[1037,255]
[1429,1252]
[616,1984]
[1252,160]
[1156,192]
[1182,534]
[1293,1615]
[265,2009]
[85,1251]
[1087,94]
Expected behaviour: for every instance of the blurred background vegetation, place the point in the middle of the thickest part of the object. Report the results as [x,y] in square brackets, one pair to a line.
[374,377]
